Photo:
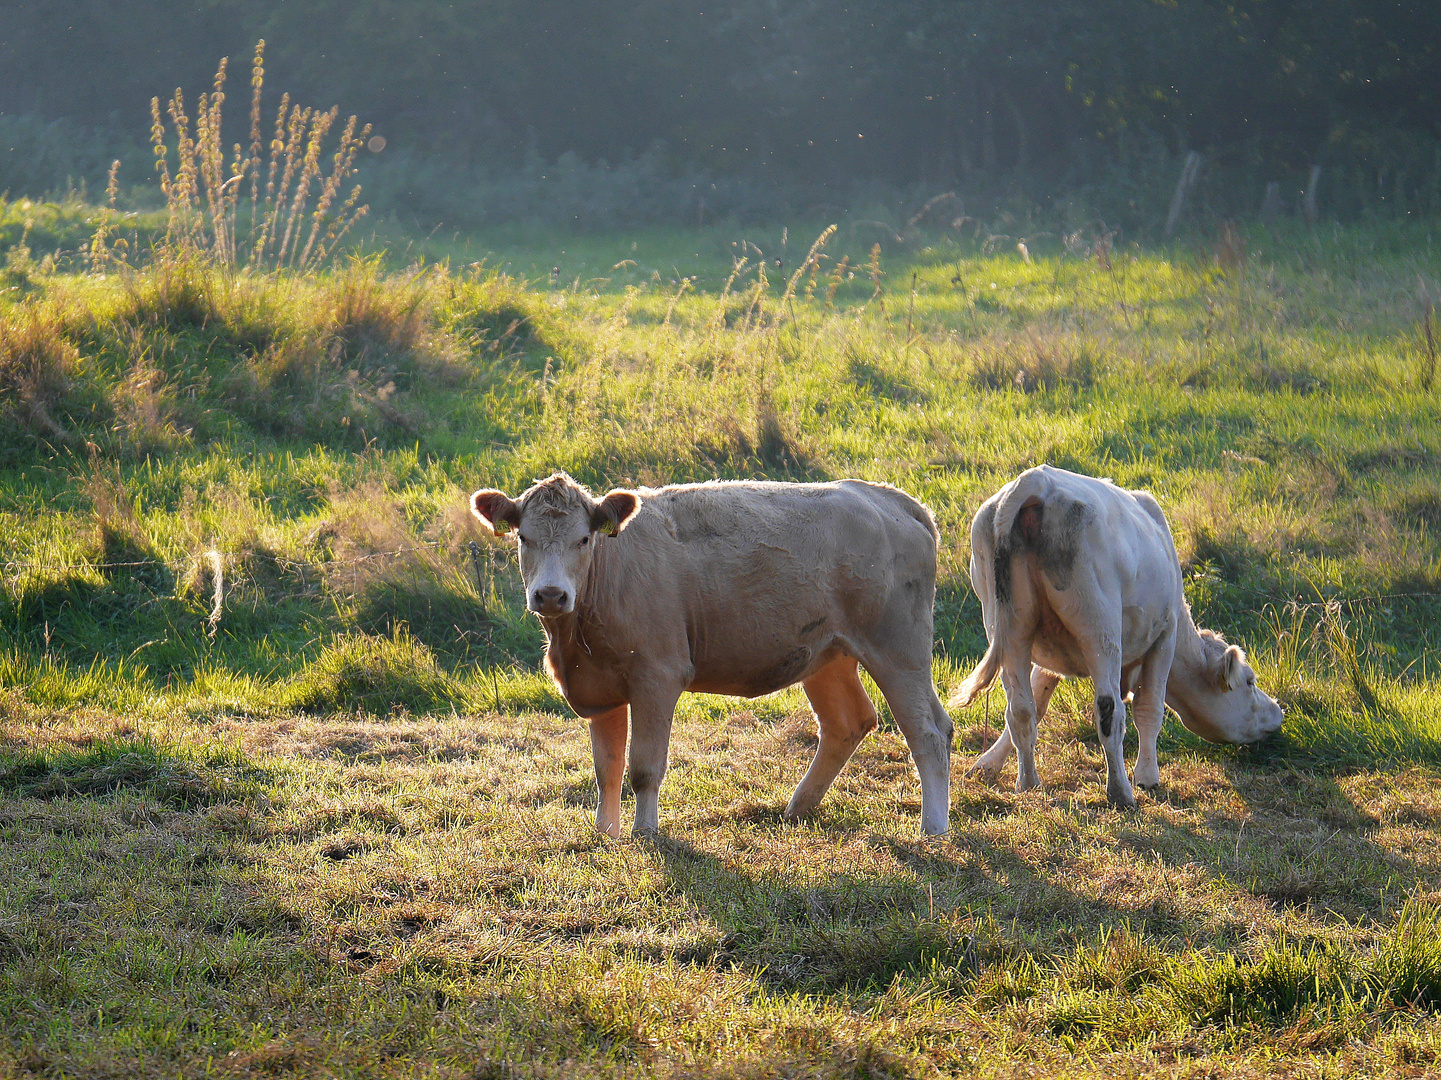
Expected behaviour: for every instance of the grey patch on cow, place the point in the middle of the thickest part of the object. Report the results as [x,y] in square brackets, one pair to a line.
[693,528]
[1106,706]
[1003,572]
[783,673]
[1061,544]
[808,627]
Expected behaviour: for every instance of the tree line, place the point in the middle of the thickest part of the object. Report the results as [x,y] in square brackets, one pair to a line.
[1042,95]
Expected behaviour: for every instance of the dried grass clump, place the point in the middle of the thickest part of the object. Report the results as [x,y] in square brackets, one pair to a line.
[208,212]
[376,325]
[178,291]
[37,362]
[120,545]
[766,445]
[357,345]
[392,578]
[1034,364]
[145,405]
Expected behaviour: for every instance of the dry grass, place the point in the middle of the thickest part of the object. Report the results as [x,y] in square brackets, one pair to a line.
[431,887]
[304,215]
[38,358]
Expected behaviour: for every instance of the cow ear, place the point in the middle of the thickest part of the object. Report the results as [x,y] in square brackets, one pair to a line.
[1233,661]
[496,509]
[614,511]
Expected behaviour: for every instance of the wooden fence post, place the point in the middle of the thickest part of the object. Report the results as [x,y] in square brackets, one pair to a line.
[1308,201]
[1189,172]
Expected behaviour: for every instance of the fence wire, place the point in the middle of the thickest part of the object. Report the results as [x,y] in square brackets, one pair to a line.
[218,560]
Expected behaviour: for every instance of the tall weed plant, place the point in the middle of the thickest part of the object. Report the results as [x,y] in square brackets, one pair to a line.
[278,211]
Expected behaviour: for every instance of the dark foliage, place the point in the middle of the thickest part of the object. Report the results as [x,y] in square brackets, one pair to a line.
[644,110]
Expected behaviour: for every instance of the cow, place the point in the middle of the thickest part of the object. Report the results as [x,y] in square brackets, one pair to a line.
[739,588]
[1077,576]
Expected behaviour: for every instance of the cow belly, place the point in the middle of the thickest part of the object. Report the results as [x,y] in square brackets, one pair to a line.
[761,675]
[1055,649]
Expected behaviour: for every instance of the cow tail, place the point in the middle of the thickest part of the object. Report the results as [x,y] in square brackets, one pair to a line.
[982,677]
[1023,496]
[1022,493]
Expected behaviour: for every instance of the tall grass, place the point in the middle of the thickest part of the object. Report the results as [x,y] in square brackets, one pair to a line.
[302,216]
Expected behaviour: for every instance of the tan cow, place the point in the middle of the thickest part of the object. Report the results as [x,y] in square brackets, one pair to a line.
[736,588]
[1079,577]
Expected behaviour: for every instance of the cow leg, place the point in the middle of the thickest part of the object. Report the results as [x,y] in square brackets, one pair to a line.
[927,728]
[651,711]
[1104,659]
[990,763]
[607,748]
[1021,713]
[845,716]
[1148,707]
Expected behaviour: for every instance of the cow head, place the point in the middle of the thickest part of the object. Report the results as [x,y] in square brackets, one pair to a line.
[557,524]
[1221,701]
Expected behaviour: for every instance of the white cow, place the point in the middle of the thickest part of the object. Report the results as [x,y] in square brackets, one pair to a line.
[1079,577]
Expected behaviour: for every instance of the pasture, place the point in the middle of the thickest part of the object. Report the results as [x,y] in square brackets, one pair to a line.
[283,792]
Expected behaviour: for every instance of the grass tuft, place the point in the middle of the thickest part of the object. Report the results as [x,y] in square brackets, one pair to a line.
[364,673]
[38,361]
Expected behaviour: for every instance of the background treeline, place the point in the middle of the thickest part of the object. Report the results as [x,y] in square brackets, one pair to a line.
[603,112]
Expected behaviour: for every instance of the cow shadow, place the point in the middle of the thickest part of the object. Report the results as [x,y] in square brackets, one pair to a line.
[1269,830]
[853,931]
[858,929]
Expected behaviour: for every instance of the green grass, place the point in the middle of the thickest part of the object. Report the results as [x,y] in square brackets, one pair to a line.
[339,822]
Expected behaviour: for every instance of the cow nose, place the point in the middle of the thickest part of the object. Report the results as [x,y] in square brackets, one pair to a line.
[549,600]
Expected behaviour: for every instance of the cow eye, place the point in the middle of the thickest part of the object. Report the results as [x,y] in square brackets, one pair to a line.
[584,540]
[521,538]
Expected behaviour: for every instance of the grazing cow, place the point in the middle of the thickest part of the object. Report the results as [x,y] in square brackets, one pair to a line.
[1079,577]
[736,588]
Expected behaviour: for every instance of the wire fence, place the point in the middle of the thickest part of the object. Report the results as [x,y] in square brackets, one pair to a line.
[477,557]
[481,564]
[280,560]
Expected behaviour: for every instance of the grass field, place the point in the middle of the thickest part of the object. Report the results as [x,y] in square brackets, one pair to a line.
[283,792]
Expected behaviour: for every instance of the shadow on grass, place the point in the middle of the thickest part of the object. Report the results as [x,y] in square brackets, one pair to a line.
[852,932]
[116,765]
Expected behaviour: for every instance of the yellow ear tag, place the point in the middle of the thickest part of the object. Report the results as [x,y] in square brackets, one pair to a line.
[501,527]
[608,528]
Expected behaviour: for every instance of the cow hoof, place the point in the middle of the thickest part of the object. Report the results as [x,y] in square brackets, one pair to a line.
[983,774]
[644,832]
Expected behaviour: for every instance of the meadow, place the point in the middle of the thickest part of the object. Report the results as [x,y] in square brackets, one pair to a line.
[283,791]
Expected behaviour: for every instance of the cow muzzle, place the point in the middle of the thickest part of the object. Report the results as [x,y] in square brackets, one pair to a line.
[551,600]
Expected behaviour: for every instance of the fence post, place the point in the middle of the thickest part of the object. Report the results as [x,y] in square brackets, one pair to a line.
[1308,201]
[1189,172]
